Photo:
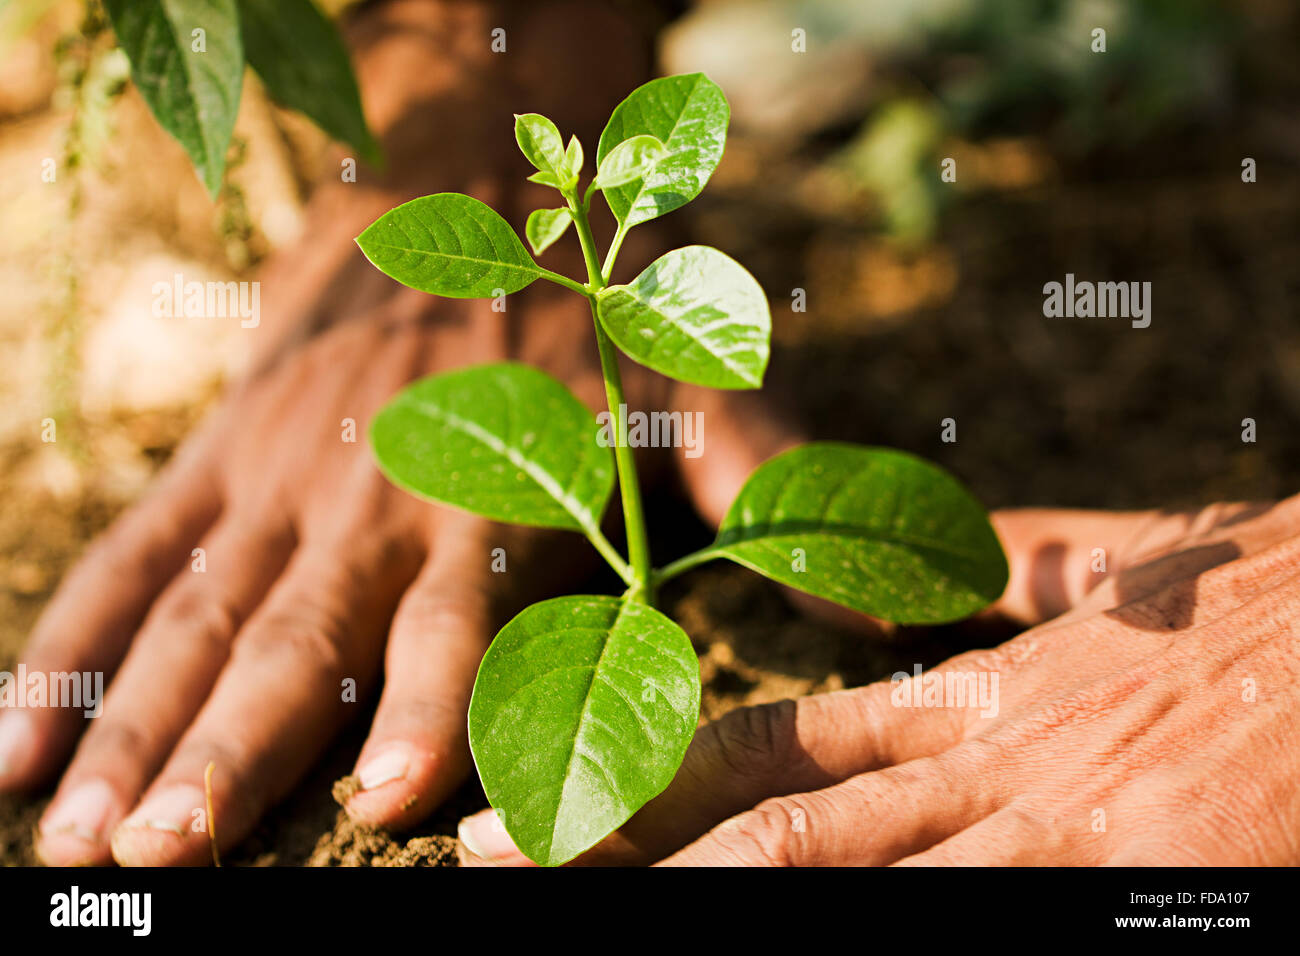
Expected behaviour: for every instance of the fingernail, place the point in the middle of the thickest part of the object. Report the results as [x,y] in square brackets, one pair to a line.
[17,731]
[170,810]
[390,765]
[83,813]
[484,835]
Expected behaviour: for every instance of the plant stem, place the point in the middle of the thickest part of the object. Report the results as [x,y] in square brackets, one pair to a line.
[641,588]
[595,281]
[607,269]
[638,547]
[670,571]
[610,554]
[564,280]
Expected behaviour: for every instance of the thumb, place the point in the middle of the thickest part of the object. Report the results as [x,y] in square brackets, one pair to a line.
[738,432]
[1058,555]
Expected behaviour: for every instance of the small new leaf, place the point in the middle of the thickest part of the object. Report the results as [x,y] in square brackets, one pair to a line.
[542,146]
[581,713]
[194,95]
[695,315]
[449,244]
[573,159]
[505,441]
[629,160]
[547,179]
[881,531]
[544,226]
[689,115]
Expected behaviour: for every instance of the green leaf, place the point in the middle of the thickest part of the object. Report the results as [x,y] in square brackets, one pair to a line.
[449,244]
[544,226]
[693,314]
[542,146]
[582,712]
[630,160]
[881,531]
[573,159]
[547,179]
[689,115]
[194,95]
[300,57]
[504,440]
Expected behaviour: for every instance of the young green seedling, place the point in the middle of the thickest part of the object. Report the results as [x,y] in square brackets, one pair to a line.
[584,705]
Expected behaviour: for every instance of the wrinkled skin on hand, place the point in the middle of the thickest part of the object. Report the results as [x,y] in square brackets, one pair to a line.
[317,571]
[1151,716]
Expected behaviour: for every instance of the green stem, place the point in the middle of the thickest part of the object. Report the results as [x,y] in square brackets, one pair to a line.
[610,554]
[583,226]
[608,269]
[563,280]
[638,547]
[670,571]
[641,588]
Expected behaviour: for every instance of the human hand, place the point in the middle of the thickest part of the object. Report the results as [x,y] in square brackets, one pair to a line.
[239,656]
[1155,721]
[308,554]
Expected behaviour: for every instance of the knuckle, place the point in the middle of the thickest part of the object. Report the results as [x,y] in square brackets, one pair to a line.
[1080,708]
[427,713]
[1020,816]
[121,739]
[205,618]
[246,775]
[762,835]
[305,637]
[753,740]
[438,611]
[1016,654]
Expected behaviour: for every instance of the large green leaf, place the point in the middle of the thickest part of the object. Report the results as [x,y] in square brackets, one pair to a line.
[689,115]
[505,441]
[449,244]
[194,95]
[582,712]
[693,314]
[301,58]
[879,531]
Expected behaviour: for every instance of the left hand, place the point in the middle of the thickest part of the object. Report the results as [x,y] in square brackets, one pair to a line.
[1155,721]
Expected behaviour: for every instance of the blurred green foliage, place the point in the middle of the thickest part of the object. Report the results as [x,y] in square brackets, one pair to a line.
[1007,67]
[912,75]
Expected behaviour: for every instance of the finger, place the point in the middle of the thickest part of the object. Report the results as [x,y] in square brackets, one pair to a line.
[868,820]
[164,680]
[1014,836]
[418,752]
[90,621]
[734,434]
[755,753]
[1057,556]
[276,704]
[1076,561]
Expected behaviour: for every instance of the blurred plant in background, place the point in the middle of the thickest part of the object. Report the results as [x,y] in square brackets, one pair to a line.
[895,82]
